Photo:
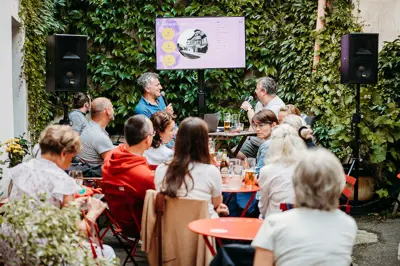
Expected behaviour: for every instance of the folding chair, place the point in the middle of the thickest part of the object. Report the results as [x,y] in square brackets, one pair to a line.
[122,213]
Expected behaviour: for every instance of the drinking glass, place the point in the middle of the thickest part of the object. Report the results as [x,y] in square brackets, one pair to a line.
[234,161]
[250,178]
[235,121]
[227,122]
[78,176]
[235,181]
[240,126]
[250,163]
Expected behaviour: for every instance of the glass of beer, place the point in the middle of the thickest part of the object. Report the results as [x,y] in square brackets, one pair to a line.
[250,178]
[227,122]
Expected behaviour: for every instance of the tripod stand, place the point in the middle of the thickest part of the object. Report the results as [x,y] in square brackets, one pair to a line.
[65,120]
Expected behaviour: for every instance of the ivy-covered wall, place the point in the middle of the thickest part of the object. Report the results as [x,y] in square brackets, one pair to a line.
[280,37]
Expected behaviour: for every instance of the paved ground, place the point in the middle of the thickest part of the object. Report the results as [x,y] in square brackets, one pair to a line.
[377,243]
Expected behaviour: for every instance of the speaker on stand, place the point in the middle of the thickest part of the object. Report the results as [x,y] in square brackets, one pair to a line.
[359,65]
[66,66]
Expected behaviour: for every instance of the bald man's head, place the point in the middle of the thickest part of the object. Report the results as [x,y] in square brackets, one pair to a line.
[102,107]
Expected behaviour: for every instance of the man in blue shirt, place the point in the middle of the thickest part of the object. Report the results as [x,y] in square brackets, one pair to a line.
[151,100]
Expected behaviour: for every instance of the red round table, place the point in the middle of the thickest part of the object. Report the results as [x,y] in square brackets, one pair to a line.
[243,189]
[236,228]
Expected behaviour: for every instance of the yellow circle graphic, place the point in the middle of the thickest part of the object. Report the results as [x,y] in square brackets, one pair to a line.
[169,60]
[168,34]
[168,47]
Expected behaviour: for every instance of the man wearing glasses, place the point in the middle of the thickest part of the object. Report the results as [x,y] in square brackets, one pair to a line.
[267,100]
[126,166]
[95,141]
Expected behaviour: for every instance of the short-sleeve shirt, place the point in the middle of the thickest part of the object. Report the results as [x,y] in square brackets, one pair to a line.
[78,120]
[94,141]
[261,154]
[41,176]
[146,108]
[156,156]
[274,105]
[304,236]
[206,184]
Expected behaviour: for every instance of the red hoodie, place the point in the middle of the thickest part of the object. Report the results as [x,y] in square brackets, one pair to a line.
[123,168]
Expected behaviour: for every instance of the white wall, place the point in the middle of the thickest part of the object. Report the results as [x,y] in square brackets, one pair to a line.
[380,16]
[13,118]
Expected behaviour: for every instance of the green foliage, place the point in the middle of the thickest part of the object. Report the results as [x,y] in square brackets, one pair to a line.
[38,22]
[34,232]
[280,38]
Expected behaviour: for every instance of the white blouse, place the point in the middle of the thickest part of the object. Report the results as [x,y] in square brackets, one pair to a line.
[41,176]
[157,156]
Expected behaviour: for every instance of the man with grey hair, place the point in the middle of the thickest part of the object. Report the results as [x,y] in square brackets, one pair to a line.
[96,144]
[151,100]
[267,99]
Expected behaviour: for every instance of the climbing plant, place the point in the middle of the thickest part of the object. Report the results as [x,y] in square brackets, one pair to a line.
[280,39]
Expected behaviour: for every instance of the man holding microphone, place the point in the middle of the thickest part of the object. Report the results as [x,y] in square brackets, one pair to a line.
[267,99]
[151,100]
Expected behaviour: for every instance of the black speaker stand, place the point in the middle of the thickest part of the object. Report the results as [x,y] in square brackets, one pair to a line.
[65,120]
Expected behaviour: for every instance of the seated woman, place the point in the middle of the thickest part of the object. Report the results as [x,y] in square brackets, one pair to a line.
[164,127]
[275,179]
[263,122]
[46,175]
[191,173]
[288,109]
[304,131]
[316,232]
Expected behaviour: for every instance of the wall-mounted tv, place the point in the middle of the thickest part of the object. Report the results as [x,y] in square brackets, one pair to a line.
[200,42]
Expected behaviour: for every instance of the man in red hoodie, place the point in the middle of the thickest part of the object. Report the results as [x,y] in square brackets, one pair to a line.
[126,166]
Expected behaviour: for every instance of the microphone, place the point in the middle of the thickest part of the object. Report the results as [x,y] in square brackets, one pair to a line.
[165,99]
[249,99]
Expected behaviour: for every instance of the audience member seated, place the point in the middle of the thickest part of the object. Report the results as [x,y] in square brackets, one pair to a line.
[77,117]
[263,122]
[304,131]
[267,100]
[288,109]
[164,127]
[46,175]
[316,232]
[96,144]
[191,173]
[126,165]
[286,148]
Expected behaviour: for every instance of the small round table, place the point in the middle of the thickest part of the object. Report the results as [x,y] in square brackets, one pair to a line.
[236,228]
[243,189]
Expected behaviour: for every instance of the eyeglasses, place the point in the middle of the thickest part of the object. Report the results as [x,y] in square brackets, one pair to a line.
[260,125]
[152,134]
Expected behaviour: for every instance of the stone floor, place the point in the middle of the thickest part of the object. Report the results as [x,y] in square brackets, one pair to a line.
[377,243]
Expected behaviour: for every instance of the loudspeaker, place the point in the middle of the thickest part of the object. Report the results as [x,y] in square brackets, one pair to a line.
[66,63]
[359,58]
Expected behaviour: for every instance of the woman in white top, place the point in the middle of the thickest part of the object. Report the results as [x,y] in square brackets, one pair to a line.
[164,127]
[275,180]
[191,173]
[316,232]
[46,176]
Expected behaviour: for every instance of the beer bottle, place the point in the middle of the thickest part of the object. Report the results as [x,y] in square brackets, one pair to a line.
[224,166]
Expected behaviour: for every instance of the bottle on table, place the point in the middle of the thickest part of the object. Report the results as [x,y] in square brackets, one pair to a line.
[224,166]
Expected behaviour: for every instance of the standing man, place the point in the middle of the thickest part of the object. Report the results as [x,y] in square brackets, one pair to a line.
[267,99]
[151,100]
[81,104]
[96,144]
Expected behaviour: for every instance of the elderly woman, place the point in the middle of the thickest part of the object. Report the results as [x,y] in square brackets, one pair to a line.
[286,110]
[191,173]
[316,232]
[46,175]
[164,127]
[275,180]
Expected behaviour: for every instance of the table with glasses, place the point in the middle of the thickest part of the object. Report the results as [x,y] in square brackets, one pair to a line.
[234,228]
[224,137]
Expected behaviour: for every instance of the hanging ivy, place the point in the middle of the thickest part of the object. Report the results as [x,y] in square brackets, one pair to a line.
[38,22]
[280,38]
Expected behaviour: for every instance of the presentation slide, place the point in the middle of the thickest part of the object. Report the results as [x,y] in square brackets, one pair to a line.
[200,42]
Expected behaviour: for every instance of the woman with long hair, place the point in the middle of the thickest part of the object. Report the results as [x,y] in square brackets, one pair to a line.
[191,173]
[275,180]
[164,128]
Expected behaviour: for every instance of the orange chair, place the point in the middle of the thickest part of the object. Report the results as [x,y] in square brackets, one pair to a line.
[122,214]
[347,192]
